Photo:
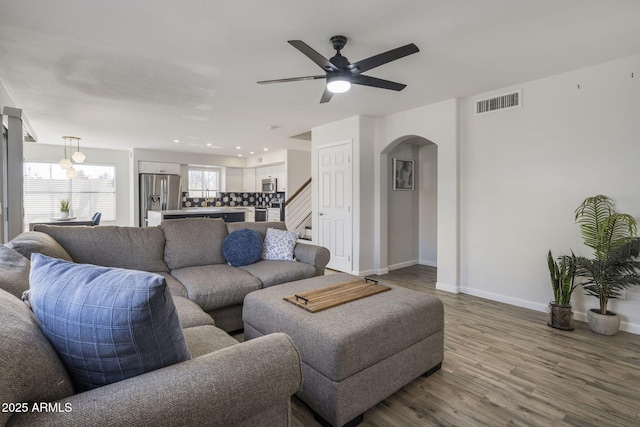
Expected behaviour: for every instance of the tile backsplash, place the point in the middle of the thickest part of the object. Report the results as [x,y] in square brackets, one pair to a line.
[231,199]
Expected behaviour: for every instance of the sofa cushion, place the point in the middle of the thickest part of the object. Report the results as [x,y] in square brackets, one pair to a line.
[190,314]
[271,272]
[193,241]
[136,248]
[279,244]
[242,247]
[175,287]
[36,242]
[107,324]
[216,286]
[30,370]
[14,271]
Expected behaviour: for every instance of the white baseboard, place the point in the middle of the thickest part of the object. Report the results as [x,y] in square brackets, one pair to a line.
[428,262]
[447,288]
[364,273]
[402,265]
[505,299]
[633,328]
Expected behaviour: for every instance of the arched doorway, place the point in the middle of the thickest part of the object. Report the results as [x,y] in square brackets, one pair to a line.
[411,215]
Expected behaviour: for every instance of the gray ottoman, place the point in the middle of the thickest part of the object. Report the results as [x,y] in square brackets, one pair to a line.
[356,354]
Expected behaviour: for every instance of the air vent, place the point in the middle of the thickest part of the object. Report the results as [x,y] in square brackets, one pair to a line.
[502,102]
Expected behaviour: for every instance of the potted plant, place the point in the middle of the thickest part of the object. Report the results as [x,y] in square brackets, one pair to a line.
[614,267]
[563,273]
[64,208]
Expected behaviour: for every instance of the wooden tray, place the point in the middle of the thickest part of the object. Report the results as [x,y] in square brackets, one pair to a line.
[341,293]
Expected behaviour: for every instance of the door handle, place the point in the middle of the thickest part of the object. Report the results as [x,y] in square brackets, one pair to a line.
[320,213]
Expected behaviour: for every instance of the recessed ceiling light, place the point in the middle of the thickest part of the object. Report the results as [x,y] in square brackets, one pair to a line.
[239,155]
[209,144]
[251,152]
[272,127]
[176,141]
[238,147]
[266,149]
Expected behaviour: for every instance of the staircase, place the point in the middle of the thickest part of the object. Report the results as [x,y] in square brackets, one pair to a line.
[298,211]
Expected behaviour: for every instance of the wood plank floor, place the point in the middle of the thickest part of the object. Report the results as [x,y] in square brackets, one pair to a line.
[503,366]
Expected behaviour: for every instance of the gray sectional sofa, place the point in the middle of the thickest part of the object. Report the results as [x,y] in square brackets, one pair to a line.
[188,253]
[224,382]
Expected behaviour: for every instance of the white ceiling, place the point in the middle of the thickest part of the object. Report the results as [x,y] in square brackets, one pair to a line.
[123,74]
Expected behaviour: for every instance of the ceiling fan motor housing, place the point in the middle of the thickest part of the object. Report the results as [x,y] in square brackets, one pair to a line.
[338,42]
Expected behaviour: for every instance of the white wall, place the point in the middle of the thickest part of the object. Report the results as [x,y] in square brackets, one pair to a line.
[428,204]
[525,170]
[298,170]
[403,212]
[36,152]
[266,158]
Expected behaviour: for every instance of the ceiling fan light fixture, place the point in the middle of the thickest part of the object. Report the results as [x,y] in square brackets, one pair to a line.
[338,83]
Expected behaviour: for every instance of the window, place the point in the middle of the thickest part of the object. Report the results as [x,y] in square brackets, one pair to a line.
[92,190]
[203,182]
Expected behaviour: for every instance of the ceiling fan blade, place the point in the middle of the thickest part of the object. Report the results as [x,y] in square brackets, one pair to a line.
[323,62]
[376,82]
[383,58]
[326,96]
[291,79]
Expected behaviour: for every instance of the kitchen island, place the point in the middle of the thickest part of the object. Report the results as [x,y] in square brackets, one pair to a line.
[229,214]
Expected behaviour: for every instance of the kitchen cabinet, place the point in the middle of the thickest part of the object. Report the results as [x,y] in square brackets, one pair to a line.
[249,180]
[156,167]
[233,180]
[227,214]
[250,215]
[273,214]
[278,171]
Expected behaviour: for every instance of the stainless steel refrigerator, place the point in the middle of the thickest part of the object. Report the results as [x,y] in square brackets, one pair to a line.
[158,192]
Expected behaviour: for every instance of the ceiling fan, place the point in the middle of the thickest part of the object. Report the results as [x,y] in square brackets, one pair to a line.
[341,74]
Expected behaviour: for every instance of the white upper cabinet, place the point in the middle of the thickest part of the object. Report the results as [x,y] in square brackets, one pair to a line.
[249,180]
[278,171]
[234,179]
[157,167]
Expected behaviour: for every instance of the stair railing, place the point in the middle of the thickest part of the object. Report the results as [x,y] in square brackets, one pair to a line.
[298,207]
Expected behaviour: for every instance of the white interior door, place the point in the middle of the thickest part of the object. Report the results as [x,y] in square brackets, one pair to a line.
[334,204]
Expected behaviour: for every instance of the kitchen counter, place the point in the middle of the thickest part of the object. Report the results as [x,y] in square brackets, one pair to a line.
[229,214]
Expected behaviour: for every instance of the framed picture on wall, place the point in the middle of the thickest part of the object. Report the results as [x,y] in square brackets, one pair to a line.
[402,174]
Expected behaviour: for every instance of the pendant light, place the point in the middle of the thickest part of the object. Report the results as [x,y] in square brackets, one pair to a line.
[71,173]
[78,156]
[65,163]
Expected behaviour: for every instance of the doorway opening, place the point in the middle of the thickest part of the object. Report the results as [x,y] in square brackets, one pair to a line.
[411,214]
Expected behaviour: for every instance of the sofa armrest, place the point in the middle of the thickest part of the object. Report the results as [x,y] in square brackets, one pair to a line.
[318,256]
[219,388]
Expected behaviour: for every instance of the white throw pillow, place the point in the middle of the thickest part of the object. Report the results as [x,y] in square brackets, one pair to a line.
[279,244]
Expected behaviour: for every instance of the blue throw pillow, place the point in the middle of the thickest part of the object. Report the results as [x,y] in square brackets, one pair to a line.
[242,247]
[107,324]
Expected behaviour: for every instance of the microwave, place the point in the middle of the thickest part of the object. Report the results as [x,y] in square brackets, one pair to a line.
[269,185]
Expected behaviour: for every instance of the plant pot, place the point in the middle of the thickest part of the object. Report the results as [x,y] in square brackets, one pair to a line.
[603,324]
[560,316]
[64,214]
